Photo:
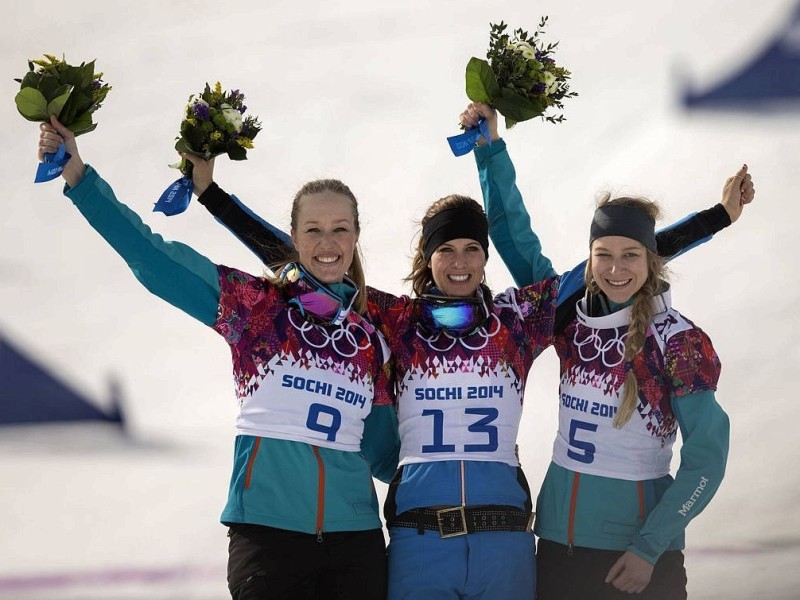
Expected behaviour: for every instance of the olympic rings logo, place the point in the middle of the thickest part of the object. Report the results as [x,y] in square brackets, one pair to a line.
[611,352]
[343,341]
[482,335]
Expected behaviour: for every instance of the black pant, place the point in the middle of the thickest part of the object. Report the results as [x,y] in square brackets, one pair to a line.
[265,563]
[581,575]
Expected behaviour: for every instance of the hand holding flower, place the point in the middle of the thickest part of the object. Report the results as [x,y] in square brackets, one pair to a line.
[202,172]
[473,113]
[51,136]
[213,124]
[53,88]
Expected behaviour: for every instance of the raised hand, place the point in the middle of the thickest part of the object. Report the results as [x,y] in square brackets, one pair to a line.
[738,191]
[476,110]
[51,136]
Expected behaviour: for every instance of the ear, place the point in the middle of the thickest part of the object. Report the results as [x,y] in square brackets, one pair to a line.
[294,239]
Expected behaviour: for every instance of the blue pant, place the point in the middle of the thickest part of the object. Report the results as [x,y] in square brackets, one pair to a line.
[497,565]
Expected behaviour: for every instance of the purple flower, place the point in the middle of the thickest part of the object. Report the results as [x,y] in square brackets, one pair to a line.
[538,89]
[200,111]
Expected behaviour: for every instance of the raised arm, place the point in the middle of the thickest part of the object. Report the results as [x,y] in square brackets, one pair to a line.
[519,247]
[170,270]
[269,243]
[509,222]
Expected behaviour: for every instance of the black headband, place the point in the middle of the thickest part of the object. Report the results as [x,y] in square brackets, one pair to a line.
[625,221]
[452,224]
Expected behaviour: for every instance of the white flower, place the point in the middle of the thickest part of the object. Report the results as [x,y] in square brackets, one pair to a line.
[550,82]
[232,116]
[526,50]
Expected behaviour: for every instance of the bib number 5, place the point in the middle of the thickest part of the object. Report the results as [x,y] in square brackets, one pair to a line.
[583,450]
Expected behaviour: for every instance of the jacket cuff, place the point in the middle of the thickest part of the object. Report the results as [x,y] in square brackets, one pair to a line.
[482,153]
[642,548]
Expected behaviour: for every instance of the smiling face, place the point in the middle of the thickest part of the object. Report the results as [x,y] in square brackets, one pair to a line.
[325,235]
[457,267]
[619,266]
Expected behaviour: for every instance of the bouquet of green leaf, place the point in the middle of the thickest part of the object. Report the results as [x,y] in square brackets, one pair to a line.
[521,79]
[72,94]
[213,124]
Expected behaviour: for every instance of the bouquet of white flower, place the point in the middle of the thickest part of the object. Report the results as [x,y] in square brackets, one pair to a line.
[213,124]
[521,79]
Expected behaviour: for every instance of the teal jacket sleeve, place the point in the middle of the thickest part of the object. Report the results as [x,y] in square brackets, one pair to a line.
[705,432]
[380,445]
[170,270]
[509,221]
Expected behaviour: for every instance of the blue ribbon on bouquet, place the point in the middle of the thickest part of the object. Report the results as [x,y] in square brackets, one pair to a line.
[464,142]
[53,164]
[176,197]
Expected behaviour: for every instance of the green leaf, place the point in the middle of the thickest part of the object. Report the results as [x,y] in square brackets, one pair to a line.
[31,79]
[236,152]
[91,127]
[31,104]
[481,83]
[183,146]
[82,124]
[56,104]
[87,74]
[49,86]
[517,107]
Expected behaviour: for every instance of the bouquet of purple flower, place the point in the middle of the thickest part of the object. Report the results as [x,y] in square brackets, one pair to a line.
[521,80]
[213,124]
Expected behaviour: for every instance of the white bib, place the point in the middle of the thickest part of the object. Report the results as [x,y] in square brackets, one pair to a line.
[307,400]
[590,395]
[468,411]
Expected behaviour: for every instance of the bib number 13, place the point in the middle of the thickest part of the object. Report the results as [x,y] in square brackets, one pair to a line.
[580,449]
[481,426]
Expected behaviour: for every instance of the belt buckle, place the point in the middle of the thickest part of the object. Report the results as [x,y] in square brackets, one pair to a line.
[441,515]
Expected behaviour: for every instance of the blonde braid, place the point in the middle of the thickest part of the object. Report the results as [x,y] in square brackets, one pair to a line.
[641,310]
[641,317]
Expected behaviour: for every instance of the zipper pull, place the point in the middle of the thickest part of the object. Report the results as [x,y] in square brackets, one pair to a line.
[569,549]
[319,536]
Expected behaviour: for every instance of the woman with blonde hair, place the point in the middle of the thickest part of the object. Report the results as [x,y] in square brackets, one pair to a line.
[610,517]
[316,415]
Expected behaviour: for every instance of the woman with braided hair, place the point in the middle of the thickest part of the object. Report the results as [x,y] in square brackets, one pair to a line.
[610,518]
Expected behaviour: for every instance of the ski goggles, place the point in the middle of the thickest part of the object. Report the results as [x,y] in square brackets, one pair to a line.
[320,304]
[456,316]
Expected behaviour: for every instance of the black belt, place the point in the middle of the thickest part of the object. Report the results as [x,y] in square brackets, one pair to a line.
[461,520]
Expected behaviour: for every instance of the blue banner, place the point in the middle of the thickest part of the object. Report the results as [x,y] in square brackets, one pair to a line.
[464,143]
[176,197]
[53,165]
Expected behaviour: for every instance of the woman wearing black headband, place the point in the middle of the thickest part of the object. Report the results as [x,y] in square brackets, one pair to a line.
[459,504]
[610,518]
